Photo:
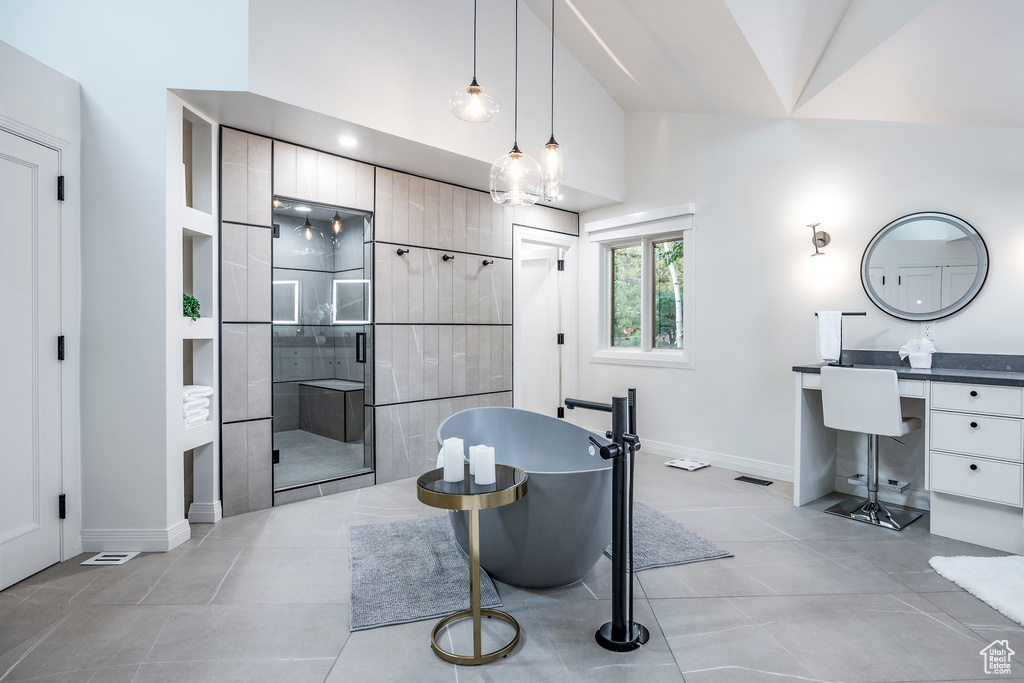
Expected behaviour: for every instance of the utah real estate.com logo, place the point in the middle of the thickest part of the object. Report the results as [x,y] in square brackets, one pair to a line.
[997,658]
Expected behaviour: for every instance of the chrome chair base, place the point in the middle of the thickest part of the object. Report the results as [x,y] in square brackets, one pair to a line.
[873,512]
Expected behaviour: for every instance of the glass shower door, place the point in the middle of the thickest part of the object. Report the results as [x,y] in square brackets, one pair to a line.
[321,314]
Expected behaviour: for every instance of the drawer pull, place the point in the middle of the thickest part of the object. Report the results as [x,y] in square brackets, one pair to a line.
[974,394]
[974,467]
[974,425]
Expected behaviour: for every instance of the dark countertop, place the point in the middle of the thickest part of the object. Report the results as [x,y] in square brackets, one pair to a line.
[965,368]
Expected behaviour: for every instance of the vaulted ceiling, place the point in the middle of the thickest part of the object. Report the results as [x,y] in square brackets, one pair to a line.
[940,61]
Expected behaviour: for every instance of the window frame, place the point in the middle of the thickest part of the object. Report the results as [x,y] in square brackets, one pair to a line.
[646,229]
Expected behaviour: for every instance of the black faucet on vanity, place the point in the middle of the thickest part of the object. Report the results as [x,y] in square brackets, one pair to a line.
[621,634]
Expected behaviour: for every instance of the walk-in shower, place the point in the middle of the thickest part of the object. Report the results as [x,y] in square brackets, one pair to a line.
[321,317]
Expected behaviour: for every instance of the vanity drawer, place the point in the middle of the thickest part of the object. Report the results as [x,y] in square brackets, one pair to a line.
[992,437]
[977,398]
[911,388]
[962,475]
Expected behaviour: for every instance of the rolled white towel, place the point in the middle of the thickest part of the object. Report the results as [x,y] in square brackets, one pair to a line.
[193,404]
[199,418]
[197,391]
[830,336]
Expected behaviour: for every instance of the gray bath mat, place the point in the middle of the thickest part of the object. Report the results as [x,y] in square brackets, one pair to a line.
[408,571]
[660,541]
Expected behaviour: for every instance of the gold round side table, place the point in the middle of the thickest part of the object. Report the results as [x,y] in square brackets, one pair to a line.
[433,490]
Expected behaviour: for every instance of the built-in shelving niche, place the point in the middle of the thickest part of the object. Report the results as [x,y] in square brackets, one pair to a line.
[197,350]
[196,157]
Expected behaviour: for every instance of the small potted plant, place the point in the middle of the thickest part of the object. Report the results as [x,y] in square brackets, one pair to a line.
[191,308]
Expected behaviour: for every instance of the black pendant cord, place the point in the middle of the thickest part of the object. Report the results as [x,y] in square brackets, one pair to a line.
[515,88]
[474,41]
[553,69]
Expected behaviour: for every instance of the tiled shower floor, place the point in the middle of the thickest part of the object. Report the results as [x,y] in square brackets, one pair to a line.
[307,458]
[263,597]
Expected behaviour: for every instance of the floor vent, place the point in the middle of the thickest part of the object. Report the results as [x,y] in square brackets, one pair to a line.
[110,558]
[754,480]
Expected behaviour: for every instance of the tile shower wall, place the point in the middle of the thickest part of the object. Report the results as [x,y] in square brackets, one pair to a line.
[443,329]
[246,372]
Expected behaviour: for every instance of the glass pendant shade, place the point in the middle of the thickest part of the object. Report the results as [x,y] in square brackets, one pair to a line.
[336,223]
[475,104]
[516,179]
[552,169]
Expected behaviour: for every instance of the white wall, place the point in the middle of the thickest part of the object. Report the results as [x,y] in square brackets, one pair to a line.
[756,184]
[43,105]
[391,65]
[125,55]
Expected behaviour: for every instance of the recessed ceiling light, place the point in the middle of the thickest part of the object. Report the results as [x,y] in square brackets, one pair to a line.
[347,141]
[303,208]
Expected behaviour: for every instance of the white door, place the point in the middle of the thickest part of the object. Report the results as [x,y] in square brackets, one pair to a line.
[956,280]
[30,473]
[920,289]
[538,352]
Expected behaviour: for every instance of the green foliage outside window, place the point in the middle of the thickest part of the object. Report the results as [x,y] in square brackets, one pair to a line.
[667,299]
[626,296]
[668,295]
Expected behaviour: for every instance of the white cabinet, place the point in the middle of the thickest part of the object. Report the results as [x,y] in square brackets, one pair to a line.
[976,450]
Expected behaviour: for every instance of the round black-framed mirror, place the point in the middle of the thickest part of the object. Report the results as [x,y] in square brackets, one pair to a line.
[924,266]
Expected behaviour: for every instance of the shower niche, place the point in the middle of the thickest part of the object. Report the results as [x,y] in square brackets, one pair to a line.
[321,317]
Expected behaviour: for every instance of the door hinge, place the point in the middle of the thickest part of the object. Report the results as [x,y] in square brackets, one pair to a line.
[561,413]
[60,347]
[561,337]
[275,230]
[561,264]
[276,458]
[62,506]
[60,188]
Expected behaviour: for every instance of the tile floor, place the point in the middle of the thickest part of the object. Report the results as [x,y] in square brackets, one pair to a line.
[262,597]
[308,458]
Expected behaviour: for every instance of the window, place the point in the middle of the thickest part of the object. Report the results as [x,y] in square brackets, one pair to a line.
[647,267]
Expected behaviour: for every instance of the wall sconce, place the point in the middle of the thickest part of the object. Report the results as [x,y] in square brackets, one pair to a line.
[819,239]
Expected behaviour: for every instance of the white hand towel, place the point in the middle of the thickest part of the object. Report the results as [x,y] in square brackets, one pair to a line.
[195,403]
[830,336]
[197,391]
[197,419]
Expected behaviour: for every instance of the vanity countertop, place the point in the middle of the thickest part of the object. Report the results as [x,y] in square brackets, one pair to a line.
[1003,378]
[966,368]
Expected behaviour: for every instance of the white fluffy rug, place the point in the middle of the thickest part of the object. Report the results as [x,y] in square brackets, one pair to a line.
[999,581]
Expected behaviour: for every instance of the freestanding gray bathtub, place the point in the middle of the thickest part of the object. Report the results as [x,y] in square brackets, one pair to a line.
[554,535]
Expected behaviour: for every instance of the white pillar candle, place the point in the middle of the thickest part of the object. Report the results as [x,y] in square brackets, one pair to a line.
[484,465]
[454,459]
[474,456]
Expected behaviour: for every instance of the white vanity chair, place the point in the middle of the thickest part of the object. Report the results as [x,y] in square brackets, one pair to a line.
[867,401]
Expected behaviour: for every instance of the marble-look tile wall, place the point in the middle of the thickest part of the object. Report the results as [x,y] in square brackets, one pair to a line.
[303,173]
[245,290]
[407,432]
[443,328]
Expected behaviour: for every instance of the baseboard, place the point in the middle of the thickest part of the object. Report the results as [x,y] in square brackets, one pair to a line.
[912,498]
[142,540]
[205,513]
[730,462]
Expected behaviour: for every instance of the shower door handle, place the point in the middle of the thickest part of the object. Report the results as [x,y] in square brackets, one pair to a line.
[360,347]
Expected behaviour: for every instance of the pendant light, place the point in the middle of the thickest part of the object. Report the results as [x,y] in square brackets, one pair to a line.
[336,223]
[516,177]
[308,229]
[552,158]
[473,103]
